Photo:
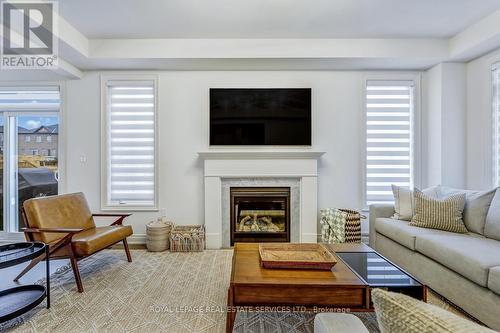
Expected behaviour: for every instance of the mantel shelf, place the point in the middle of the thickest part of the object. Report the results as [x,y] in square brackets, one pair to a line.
[259,154]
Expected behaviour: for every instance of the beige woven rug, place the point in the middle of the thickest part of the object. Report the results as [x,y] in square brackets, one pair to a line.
[157,292]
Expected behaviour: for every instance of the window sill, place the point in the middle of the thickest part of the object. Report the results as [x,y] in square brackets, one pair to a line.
[129,209]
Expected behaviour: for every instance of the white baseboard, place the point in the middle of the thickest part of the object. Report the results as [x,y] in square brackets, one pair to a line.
[137,239]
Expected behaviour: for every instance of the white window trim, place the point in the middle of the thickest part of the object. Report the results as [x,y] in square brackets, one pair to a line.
[104,141]
[417,126]
[495,156]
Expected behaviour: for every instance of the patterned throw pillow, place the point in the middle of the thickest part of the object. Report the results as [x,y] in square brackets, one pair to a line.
[443,214]
[398,313]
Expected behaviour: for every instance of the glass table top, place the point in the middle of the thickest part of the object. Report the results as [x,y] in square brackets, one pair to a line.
[375,270]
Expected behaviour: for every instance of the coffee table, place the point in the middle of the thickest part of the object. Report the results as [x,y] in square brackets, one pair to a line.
[21,299]
[343,289]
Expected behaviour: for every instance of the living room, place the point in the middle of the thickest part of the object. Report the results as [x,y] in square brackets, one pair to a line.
[196,136]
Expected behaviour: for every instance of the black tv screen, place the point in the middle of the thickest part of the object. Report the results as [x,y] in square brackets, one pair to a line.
[260,116]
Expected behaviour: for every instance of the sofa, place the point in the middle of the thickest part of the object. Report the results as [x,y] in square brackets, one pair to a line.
[464,268]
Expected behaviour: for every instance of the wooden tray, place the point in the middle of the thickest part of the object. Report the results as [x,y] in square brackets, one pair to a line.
[296,256]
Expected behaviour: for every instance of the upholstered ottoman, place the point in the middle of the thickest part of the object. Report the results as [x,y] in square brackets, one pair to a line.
[338,323]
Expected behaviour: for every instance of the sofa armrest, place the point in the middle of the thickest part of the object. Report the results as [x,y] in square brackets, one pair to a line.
[376,211]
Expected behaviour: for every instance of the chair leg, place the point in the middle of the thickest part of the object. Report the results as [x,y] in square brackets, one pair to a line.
[127,251]
[76,272]
[29,267]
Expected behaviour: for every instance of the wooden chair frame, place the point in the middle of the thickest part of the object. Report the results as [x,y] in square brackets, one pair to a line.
[62,248]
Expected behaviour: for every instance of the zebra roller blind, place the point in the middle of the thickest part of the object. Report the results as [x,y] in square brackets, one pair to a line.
[389,138]
[131,145]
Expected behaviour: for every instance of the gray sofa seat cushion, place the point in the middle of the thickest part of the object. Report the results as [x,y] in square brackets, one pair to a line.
[402,233]
[492,226]
[494,280]
[469,255]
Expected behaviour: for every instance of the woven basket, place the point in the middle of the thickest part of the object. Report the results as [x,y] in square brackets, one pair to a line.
[189,238]
[352,226]
[158,235]
[341,225]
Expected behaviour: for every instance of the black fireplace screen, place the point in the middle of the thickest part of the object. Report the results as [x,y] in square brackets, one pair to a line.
[260,214]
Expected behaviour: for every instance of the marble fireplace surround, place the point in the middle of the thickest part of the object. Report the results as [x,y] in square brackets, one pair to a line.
[229,168]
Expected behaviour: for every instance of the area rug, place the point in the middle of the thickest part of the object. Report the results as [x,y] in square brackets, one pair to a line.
[157,292]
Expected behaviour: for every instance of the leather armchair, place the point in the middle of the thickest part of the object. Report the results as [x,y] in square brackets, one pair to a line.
[65,223]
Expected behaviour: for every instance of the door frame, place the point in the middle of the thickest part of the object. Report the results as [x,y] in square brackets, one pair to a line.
[10,233]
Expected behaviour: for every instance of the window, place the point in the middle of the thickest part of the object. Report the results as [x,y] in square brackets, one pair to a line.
[38,139]
[34,152]
[129,148]
[389,138]
[496,123]
[49,138]
[27,138]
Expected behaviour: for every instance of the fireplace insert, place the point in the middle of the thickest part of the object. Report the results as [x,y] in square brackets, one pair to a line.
[260,214]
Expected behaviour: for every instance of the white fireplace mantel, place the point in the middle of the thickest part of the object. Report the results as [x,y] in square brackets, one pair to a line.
[259,154]
[243,164]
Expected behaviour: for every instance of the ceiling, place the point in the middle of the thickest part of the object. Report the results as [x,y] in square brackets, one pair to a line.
[274,18]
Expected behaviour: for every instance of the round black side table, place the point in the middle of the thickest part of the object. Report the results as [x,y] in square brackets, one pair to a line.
[19,300]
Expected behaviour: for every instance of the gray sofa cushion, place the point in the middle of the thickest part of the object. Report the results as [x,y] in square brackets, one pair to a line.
[469,255]
[477,204]
[494,280]
[492,226]
[402,233]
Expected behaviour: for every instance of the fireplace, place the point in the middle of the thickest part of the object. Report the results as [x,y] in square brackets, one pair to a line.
[260,214]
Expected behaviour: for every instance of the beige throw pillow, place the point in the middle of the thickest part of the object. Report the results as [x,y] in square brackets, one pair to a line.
[398,313]
[445,214]
[403,203]
[404,207]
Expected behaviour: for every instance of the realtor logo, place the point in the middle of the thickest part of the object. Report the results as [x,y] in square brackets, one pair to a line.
[28,34]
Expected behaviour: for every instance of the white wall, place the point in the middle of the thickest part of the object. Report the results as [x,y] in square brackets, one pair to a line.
[443,123]
[183,117]
[479,122]
[431,126]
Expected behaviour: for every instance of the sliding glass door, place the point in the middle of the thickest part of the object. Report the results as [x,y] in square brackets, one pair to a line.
[30,149]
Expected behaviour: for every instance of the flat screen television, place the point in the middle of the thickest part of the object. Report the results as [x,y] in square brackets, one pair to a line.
[260,116]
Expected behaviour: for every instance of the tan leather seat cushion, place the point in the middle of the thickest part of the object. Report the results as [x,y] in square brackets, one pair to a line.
[59,211]
[92,240]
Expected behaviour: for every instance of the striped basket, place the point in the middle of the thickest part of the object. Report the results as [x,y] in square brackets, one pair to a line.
[352,225]
[188,238]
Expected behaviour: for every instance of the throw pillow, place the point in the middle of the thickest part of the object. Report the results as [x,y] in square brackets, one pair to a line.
[400,313]
[492,225]
[404,203]
[477,204]
[439,214]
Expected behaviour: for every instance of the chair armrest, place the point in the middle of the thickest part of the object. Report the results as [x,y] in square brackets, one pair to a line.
[119,221]
[53,230]
[376,211]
